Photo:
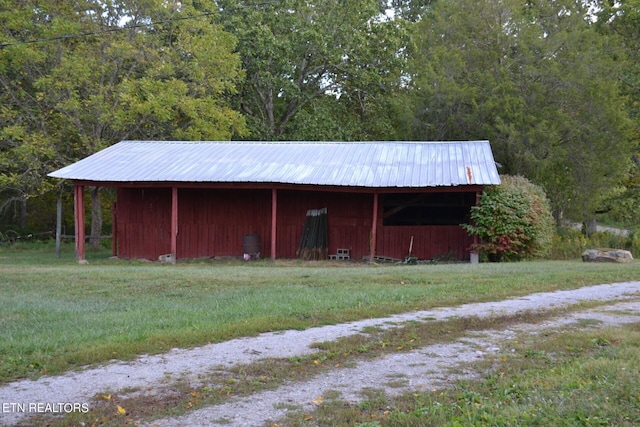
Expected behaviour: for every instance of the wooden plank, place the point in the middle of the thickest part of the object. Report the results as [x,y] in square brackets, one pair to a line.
[58,224]
[223,216]
[307,188]
[174,224]
[274,223]
[374,228]
[114,229]
[79,221]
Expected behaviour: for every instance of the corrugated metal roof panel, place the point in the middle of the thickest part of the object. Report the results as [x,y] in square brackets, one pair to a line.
[353,164]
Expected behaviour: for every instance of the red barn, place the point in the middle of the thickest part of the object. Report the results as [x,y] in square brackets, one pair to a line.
[213,199]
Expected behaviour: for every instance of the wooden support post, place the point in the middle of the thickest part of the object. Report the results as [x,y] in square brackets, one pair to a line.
[78,203]
[474,256]
[58,225]
[274,218]
[174,223]
[374,228]
[114,229]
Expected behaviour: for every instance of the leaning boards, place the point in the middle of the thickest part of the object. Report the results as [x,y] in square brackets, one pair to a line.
[314,240]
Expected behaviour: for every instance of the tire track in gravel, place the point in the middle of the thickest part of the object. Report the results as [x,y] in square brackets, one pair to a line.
[425,368]
[428,368]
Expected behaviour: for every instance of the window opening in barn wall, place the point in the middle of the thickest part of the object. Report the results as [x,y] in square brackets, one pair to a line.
[412,209]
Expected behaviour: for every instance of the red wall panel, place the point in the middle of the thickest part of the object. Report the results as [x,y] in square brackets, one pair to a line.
[144,222]
[212,222]
[349,218]
[428,241]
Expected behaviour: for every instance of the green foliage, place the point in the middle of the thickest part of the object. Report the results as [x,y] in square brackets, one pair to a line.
[80,77]
[622,207]
[552,86]
[297,53]
[536,79]
[569,243]
[621,19]
[513,221]
[103,72]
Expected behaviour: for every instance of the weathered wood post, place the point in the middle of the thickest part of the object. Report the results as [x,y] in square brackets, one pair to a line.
[374,229]
[274,211]
[78,198]
[174,223]
[114,229]
[58,225]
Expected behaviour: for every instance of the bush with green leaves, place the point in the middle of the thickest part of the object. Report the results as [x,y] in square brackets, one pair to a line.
[569,243]
[513,221]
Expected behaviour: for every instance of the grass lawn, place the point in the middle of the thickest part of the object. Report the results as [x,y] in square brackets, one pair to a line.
[56,315]
[562,378]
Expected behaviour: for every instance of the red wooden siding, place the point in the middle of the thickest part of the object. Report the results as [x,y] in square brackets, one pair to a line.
[212,222]
[429,241]
[144,222]
[348,218]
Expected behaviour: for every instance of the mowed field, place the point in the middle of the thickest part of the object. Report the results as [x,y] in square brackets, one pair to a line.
[57,315]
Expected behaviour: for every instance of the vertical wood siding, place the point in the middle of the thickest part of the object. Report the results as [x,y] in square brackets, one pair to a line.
[430,241]
[348,220]
[212,222]
[144,222]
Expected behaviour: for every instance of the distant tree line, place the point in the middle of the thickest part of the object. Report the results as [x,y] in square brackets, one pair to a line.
[555,86]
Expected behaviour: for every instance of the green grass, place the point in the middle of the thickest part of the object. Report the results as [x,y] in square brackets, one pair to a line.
[585,378]
[222,385]
[56,315]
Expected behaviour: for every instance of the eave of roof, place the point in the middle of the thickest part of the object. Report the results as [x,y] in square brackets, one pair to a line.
[349,164]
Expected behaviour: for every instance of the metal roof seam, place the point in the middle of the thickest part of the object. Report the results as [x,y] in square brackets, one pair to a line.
[362,164]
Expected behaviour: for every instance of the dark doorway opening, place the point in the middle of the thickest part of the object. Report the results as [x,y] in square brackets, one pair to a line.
[427,208]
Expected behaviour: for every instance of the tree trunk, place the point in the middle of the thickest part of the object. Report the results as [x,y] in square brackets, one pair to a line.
[558,214]
[23,213]
[590,227]
[96,218]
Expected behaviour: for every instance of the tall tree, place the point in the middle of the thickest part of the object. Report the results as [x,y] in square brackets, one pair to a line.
[411,10]
[79,76]
[295,52]
[535,78]
[621,20]
[26,151]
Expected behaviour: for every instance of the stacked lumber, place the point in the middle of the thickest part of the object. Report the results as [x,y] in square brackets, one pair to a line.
[314,243]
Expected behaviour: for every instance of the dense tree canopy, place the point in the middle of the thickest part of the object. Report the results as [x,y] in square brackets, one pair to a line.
[553,85]
[621,20]
[77,77]
[538,81]
[297,52]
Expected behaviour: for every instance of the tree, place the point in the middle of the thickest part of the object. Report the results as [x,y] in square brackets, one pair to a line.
[411,10]
[26,151]
[296,52]
[78,77]
[536,79]
[620,20]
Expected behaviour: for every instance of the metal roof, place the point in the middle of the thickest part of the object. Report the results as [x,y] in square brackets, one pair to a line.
[352,164]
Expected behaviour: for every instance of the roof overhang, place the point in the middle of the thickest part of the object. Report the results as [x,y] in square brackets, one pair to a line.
[369,166]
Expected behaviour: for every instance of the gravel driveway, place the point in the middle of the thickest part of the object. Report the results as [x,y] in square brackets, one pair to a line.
[423,369]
